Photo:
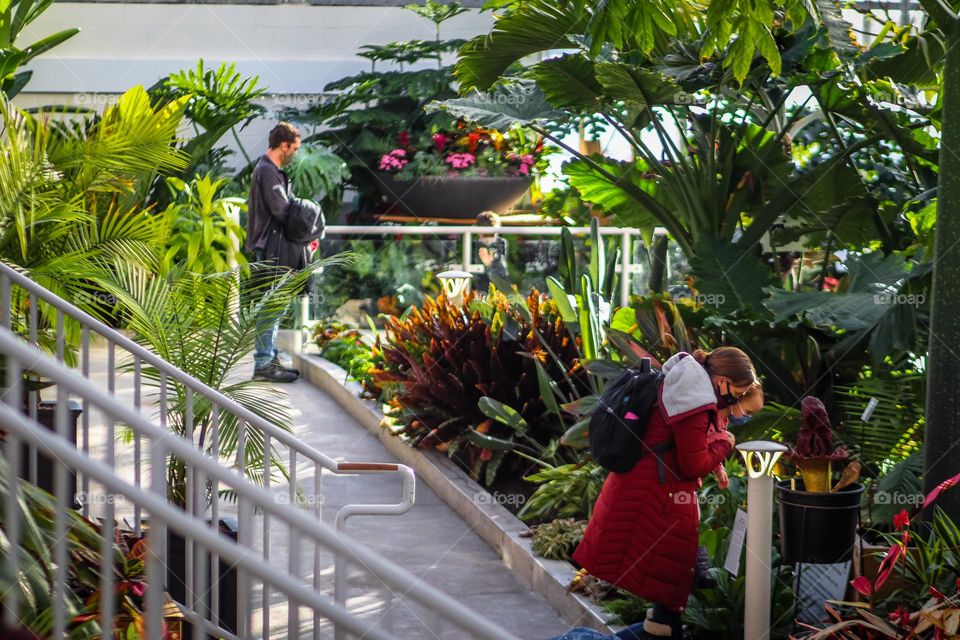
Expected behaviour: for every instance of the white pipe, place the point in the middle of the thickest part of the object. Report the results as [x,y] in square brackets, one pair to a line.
[759,458]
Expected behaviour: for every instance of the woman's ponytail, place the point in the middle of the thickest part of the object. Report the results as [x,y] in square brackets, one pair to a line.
[729,362]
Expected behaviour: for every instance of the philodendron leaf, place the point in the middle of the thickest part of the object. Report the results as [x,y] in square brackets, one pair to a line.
[603,368]
[502,413]
[581,406]
[514,104]
[732,277]
[569,82]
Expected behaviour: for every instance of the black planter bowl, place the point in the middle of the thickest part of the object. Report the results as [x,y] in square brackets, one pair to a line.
[818,528]
[452,196]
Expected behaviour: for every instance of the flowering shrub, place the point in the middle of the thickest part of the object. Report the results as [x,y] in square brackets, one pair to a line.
[464,151]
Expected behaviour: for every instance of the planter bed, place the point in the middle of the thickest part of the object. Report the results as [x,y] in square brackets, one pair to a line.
[497,526]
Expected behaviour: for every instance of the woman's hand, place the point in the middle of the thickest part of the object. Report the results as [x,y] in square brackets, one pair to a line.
[723,480]
[486,257]
[732,439]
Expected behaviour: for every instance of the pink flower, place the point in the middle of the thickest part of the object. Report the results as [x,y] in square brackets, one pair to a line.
[314,245]
[440,140]
[137,589]
[394,160]
[526,159]
[460,160]
[524,169]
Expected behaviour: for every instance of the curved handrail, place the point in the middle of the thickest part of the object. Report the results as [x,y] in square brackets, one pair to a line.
[163,442]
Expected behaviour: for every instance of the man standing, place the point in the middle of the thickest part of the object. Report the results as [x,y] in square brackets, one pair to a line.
[270,195]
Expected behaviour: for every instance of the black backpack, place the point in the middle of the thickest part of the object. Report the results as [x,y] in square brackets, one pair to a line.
[305,221]
[614,439]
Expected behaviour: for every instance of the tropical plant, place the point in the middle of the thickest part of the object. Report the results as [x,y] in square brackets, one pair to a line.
[219,101]
[205,235]
[15,16]
[567,491]
[556,540]
[348,349]
[927,606]
[37,570]
[449,368]
[71,198]
[206,325]
[465,151]
[317,173]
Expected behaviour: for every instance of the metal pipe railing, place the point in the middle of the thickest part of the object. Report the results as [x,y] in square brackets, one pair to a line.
[164,446]
[626,267]
[247,422]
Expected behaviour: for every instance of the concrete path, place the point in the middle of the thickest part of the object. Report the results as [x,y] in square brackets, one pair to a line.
[431,541]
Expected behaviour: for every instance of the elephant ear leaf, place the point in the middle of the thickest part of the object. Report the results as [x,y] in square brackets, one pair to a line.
[514,104]
[733,278]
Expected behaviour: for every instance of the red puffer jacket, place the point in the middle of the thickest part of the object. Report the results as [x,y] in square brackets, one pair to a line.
[643,533]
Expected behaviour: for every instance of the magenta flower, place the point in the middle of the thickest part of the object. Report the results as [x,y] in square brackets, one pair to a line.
[526,159]
[524,169]
[440,140]
[394,160]
[460,160]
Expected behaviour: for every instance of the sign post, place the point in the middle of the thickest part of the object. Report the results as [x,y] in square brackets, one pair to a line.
[759,457]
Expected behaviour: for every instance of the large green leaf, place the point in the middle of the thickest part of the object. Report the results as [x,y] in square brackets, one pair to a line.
[513,104]
[638,87]
[539,25]
[609,194]
[569,82]
[731,277]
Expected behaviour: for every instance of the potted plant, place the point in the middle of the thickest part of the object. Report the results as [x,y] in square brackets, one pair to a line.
[818,519]
[405,158]
[458,172]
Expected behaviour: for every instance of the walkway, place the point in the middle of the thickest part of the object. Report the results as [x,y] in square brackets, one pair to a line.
[431,540]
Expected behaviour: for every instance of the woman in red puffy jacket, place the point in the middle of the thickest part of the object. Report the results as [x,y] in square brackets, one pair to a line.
[644,530]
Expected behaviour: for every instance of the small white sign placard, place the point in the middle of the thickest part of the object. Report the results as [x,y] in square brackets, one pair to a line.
[737,537]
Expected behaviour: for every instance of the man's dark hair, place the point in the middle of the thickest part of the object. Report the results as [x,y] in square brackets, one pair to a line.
[283,132]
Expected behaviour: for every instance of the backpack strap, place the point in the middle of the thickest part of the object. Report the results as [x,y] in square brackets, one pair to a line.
[661,447]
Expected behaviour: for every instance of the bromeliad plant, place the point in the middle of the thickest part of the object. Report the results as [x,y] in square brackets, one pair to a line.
[449,368]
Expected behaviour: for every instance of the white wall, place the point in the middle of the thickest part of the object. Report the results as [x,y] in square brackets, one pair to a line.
[295,49]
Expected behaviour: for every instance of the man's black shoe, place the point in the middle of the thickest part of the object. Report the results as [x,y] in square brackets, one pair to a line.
[276,362]
[274,373]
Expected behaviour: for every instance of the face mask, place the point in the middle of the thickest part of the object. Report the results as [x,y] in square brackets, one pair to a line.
[738,420]
[725,399]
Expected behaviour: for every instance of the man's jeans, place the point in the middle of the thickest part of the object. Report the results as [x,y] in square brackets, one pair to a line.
[264,345]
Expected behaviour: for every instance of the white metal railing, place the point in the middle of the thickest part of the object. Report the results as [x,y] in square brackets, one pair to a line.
[286,446]
[209,543]
[626,268]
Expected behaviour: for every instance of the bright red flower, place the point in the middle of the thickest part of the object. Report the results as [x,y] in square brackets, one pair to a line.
[900,616]
[474,138]
[863,585]
[887,565]
[901,520]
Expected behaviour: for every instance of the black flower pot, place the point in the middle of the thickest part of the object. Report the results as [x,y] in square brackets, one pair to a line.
[47,417]
[452,196]
[227,575]
[818,528]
